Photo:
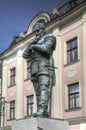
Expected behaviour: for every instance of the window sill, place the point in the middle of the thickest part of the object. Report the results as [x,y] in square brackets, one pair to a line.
[10,119]
[29,116]
[27,79]
[11,86]
[71,63]
[73,109]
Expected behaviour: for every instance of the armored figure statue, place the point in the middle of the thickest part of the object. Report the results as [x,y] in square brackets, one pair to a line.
[39,52]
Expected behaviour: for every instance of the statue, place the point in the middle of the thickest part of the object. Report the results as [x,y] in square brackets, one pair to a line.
[39,52]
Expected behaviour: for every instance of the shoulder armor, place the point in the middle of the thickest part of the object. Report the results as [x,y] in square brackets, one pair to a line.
[49,36]
[52,38]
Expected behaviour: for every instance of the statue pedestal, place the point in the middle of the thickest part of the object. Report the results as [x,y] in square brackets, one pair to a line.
[40,124]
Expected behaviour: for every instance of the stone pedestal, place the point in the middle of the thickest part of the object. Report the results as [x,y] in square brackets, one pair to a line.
[40,124]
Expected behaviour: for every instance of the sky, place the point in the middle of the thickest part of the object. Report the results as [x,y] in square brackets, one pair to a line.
[16,15]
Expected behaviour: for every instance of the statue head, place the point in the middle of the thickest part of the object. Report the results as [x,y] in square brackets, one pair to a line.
[39,29]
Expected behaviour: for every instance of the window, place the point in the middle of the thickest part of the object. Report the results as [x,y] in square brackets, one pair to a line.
[74,96]
[12,110]
[72,51]
[12,76]
[30,105]
[28,69]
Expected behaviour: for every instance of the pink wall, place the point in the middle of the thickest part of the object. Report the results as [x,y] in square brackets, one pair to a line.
[11,90]
[77,67]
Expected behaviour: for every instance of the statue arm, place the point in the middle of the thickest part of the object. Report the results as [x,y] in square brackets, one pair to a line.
[28,50]
[42,48]
[47,47]
[26,53]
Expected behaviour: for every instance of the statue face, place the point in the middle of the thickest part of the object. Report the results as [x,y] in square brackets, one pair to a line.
[39,32]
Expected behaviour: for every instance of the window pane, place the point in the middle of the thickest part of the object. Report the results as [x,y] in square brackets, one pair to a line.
[12,76]
[72,50]
[77,100]
[71,89]
[74,96]
[12,109]
[30,99]
[30,109]
[75,54]
[70,57]
[70,45]
[75,42]
[30,105]
[12,114]
[71,101]
[76,87]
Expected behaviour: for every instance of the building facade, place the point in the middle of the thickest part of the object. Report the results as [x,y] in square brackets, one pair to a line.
[68,25]
[0,89]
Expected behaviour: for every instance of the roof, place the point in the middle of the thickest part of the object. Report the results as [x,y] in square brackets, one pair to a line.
[69,6]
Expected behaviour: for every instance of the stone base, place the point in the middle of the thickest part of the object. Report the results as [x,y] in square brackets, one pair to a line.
[40,124]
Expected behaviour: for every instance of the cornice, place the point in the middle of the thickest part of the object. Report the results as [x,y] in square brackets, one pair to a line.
[67,17]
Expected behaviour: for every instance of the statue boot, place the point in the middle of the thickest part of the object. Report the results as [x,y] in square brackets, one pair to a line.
[42,104]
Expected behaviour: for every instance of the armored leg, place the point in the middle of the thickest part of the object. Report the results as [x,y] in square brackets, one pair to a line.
[37,91]
[43,101]
[43,81]
[41,87]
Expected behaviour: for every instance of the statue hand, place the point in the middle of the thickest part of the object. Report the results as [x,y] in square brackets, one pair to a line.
[34,41]
[31,47]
